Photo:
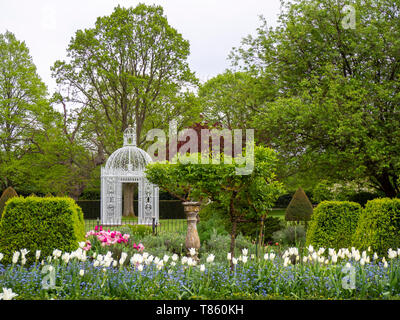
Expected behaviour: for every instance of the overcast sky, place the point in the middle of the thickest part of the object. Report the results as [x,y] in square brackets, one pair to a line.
[212,27]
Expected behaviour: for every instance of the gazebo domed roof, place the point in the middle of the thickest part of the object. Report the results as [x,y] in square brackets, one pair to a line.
[129,158]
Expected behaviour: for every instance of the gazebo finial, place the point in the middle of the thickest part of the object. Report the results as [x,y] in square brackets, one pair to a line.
[130,136]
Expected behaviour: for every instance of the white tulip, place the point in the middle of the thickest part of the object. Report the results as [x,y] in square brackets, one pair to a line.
[210,258]
[192,251]
[234,261]
[202,268]
[7,294]
[24,252]
[57,253]
[286,262]
[175,257]
[15,257]
[244,252]
[1,256]
[81,272]
[271,256]
[190,262]
[37,255]
[229,256]
[140,268]
[244,259]
[123,258]
[314,256]
[266,256]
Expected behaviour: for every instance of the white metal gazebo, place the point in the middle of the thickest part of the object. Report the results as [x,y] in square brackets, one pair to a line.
[127,165]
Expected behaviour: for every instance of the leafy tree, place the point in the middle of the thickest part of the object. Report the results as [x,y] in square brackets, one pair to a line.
[337,113]
[243,196]
[231,98]
[23,109]
[130,67]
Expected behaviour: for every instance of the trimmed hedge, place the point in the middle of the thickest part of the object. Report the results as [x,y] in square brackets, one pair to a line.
[90,208]
[333,224]
[300,208]
[379,226]
[168,209]
[41,224]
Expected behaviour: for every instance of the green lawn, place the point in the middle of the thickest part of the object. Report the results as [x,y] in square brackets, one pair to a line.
[279,213]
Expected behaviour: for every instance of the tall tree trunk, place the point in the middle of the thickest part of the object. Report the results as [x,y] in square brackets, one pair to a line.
[386,185]
[129,197]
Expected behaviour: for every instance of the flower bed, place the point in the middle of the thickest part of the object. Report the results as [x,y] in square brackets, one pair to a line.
[314,274]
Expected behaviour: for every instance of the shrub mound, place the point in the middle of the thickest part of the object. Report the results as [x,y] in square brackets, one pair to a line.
[379,226]
[41,224]
[7,194]
[300,208]
[333,224]
[139,231]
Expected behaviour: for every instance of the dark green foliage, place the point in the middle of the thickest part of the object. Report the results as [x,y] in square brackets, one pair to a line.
[333,224]
[90,208]
[290,236]
[363,197]
[138,231]
[299,208]
[272,225]
[42,224]
[171,209]
[379,226]
[7,194]
[252,228]
[168,209]
[90,194]
[213,218]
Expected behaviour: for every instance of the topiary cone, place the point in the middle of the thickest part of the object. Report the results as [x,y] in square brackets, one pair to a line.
[300,208]
[7,194]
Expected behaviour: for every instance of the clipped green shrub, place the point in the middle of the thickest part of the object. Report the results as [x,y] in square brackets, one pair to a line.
[379,226]
[138,231]
[333,224]
[300,208]
[7,194]
[41,224]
